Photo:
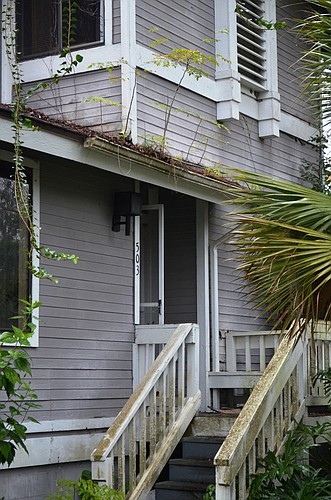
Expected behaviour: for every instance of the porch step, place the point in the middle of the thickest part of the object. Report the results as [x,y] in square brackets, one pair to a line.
[200,446]
[191,469]
[179,490]
[189,476]
[184,469]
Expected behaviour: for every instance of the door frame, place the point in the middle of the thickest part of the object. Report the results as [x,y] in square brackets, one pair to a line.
[137,262]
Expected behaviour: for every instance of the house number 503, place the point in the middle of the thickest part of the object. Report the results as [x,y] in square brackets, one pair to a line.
[137,259]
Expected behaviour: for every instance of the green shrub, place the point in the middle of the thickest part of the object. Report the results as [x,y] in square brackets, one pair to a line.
[84,489]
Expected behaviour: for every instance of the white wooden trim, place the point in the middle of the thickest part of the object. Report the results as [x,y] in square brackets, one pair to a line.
[108,22]
[128,67]
[78,424]
[160,210]
[6,80]
[34,341]
[297,128]
[34,165]
[137,270]
[42,69]
[120,161]
[136,260]
[227,75]
[202,242]
[69,445]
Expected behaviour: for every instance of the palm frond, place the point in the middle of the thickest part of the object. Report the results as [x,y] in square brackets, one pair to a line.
[282,239]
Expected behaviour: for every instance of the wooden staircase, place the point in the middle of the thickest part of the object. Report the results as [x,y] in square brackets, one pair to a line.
[191,468]
[136,453]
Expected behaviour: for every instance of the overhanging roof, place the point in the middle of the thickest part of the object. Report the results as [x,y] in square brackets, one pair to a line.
[72,144]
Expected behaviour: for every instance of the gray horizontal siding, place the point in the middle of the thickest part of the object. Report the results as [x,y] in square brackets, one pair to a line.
[38,482]
[83,365]
[116,21]
[67,100]
[194,135]
[290,50]
[185,23]
[234,312]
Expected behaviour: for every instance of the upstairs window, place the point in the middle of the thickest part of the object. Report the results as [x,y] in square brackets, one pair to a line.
[47,26]
[14,242]
[251,42]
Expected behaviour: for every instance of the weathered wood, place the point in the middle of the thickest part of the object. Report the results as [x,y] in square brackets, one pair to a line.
[157,413]
[262,400]
[276,405]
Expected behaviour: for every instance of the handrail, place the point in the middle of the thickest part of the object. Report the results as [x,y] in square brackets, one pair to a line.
[138,444]
[275,402]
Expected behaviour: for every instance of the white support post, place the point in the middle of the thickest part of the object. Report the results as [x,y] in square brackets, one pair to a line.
[193,362]
[227,75]
[203,297]
[6,79]
[269,104]
[128,68]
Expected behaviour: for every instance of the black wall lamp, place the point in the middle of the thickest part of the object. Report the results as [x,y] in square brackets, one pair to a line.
[125,205]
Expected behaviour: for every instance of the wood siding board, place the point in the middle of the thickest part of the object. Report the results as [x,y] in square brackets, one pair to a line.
[290,50]
[280,157]
[234,312]
[87,319]
[185,23]
[65,100]
[116,21]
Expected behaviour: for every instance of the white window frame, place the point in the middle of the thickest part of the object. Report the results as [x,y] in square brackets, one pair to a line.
[43,68]
[232,85]
[35,168]
[77,47]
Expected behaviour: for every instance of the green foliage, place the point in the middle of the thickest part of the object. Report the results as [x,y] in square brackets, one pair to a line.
[289,476]
[283,242]
[84,489]
[20,398]
[103,100]
[316,29]
[325,377]
[318,173]
[209,494]
[245,13]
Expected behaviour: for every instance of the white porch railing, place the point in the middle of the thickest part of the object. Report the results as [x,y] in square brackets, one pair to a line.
[149,342]
[137,446]
[247,355]
[276,404]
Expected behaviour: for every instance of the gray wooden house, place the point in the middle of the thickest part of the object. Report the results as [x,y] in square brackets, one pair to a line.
[149,231]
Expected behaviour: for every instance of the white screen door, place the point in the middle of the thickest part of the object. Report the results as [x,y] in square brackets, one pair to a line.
[152,265]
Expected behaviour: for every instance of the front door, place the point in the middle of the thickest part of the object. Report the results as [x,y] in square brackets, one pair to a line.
[152,265]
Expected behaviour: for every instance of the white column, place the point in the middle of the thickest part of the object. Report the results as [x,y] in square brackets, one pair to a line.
[6,80]
[269,105]
[227,75]
[203,297]
[128,68]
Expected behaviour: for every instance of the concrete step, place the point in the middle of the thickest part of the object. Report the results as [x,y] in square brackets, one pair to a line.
[200,446]
[199,470]
[179,490]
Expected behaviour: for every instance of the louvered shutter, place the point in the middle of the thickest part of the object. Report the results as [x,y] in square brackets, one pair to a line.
[251,41]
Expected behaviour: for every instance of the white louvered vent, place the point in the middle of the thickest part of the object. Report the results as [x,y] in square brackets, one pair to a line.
[251,41]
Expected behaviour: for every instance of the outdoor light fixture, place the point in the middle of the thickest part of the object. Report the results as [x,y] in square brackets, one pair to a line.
[125,205]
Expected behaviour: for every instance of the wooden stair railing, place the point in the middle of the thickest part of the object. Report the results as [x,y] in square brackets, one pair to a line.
[275,406]
[136,447]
